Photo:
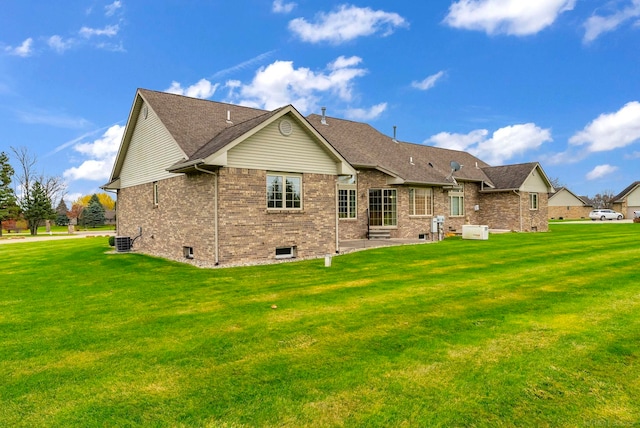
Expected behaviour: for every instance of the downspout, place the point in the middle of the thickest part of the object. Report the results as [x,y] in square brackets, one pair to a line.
[337,220]
[215,211]
[520,207]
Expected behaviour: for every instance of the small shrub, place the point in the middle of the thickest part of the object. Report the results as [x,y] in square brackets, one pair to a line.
[112,241]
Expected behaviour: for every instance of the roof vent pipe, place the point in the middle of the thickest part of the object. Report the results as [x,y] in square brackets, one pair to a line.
[324,116]
[229,116]
[394,134]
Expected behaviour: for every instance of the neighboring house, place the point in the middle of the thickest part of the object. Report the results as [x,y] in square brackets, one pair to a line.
[229,184]
[628,200]
[564,204]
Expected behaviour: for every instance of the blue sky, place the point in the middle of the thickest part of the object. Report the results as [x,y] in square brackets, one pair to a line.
[554,81]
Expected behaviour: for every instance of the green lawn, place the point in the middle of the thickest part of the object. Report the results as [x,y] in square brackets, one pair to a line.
[520,330]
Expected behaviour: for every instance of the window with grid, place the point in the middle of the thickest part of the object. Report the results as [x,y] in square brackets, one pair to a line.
[347,202]
[421,202]
[533,201]
[382,207]
[456,201]
[284,191]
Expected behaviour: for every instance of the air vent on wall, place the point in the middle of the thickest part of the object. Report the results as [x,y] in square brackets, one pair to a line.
[286,128]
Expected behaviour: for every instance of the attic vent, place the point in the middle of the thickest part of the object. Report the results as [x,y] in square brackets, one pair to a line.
[285,127]
[145,111]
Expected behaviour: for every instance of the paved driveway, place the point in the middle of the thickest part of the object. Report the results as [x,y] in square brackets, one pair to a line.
[8,239]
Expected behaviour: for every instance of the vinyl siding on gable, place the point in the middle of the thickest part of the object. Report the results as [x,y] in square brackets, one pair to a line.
[268,149]
[634,197]
[151,151]
[535,183]
[564,199]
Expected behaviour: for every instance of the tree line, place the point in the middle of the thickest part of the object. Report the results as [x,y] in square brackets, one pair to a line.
[31,197]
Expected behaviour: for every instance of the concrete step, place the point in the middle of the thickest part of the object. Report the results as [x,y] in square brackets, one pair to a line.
[379,234]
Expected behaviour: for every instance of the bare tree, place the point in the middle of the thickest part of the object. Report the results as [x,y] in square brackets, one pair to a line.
[51,187]
[556,183]
[604,199]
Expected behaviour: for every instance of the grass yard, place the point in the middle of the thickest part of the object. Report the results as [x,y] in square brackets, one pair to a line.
[520,330]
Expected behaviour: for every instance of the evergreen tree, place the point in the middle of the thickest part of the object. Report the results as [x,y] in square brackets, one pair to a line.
[8,206]
[93,215]
[61,218]
[36,207]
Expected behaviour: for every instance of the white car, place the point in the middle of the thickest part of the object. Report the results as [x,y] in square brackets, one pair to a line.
[605,214]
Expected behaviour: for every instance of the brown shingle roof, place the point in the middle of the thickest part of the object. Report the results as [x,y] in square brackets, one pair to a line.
[194,122]
[229,134]
[364,146]
[620,196]
[509,177]
[200,128]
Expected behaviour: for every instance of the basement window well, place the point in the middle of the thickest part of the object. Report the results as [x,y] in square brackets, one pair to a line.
[286,252]
[188,252]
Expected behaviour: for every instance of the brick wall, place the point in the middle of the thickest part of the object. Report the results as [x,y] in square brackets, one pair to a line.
[248,232]
[409,227]
[183,217]
[569,212]
[510,211]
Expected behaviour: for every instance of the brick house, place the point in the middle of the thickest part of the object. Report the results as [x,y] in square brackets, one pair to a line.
[564,204]
[228,184]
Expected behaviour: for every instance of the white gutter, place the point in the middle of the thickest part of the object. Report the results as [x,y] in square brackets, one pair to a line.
[337,213]
[215,210]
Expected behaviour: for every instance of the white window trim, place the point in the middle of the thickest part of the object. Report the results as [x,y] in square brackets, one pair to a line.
[428,205]
[534,201]
[457,193]
[286,252]
[284,177]
[349,188]
[155,194]
[383,190]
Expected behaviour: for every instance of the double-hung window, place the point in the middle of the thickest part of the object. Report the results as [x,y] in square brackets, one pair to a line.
[421,202]
[533,201]
[346,202]
[456,201]
[284,191]
[347,197]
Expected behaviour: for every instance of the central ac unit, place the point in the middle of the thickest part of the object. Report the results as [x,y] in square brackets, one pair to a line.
[123,243]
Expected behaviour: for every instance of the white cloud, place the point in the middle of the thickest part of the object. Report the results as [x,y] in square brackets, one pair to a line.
[512,17]
[58,44]
[202,89]
[102,153]
[597,25]
[112,8]
[346,23]
[366,114]
[601,171]
[611,131]
[279,6]
[458,141]
[42,117]
[504,144]
[108,31]
[242,65]
[429,82]
[280,84]
[24,50]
